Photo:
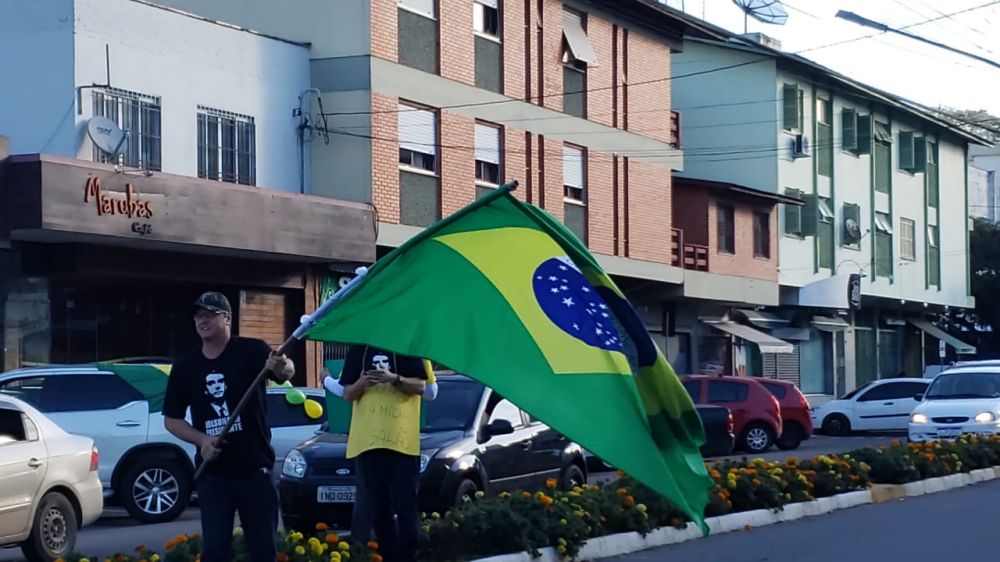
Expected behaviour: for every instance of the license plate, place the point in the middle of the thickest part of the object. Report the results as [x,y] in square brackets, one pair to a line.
[948,432]
[335,494]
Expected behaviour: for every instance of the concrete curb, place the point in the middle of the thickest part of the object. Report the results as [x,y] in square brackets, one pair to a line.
[625,543]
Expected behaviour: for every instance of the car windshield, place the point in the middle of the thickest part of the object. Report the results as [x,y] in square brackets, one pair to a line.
[955,386]
[454,408]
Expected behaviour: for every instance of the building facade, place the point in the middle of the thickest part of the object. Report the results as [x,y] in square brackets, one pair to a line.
[102,252]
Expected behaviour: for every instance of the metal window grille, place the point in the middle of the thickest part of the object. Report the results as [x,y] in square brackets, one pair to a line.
[139,116]
[226,146]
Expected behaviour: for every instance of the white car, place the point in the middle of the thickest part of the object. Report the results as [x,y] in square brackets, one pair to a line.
[882,405]
[143,468]
[961,400]
[49,486]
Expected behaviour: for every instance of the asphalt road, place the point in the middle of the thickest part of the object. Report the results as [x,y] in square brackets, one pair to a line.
[953,525]
[116,532]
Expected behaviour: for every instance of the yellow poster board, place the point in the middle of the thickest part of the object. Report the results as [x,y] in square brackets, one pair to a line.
[385,418]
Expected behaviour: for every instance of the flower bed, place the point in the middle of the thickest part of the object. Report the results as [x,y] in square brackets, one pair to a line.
[566,519]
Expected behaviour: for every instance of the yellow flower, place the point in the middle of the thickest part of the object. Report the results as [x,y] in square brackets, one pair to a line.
[313,541]
[335,557]
[238,532]
[561,541]
[437,515]
[426,528]
[561,549]
[154,558]
[480,495]
[641,508]
[300,550]
[344,546]
[563,522]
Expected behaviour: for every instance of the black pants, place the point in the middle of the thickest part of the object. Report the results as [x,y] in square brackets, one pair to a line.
[392,480]
[256,500]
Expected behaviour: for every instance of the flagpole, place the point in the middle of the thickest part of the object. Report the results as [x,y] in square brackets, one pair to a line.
[306,323]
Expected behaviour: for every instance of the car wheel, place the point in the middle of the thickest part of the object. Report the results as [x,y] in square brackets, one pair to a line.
[837,425]
[155,490]
[572,476]
[465,492]
[757,438]
[53,530]
[791,437]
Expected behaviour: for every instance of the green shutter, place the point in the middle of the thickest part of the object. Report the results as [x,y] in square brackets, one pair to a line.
[790,97]
[931,177]
[919,154]
[883,166]
[824,150]
[883,254]
[824,239]
[849,130]
[793,214]
[906,156]
[864,356]
[864,134]
[810,216]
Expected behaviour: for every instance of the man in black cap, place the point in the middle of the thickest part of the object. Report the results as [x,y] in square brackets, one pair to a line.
[210,381]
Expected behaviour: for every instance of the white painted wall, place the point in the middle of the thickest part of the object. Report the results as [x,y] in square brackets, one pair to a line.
[981,200]
[37,76]
[728,117]
[188,62]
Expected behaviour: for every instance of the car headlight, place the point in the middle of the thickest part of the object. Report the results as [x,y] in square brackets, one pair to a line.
[985,417]
[295,465]
[425,459]
[918,419]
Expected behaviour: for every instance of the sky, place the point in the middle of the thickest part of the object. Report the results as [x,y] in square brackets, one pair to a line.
[889,61]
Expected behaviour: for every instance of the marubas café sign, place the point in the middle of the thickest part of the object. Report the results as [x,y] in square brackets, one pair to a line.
[127,204]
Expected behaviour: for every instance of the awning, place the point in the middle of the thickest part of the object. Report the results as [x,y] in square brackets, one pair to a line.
[576,39]
[766,343]
[796,334]
[763,319]
[932,330]
[830,323]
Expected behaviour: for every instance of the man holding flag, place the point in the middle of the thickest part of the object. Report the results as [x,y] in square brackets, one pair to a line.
[507,295]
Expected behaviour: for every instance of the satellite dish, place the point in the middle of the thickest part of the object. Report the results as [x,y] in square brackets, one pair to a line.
[106,135]
[766,11]
[853,229]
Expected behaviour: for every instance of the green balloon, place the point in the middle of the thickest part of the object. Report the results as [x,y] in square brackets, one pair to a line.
[295,396]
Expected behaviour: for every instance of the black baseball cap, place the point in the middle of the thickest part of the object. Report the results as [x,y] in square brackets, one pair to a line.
[213,301]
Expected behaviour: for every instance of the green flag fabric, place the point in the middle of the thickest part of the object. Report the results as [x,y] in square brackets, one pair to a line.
[150,380]
[504,293]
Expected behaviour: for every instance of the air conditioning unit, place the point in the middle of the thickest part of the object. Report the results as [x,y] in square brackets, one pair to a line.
[800,146]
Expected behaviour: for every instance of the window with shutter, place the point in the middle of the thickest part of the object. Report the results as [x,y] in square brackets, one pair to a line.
[487,154]
[417,138]
[864,355]
[919,154]
[864,134]
[933,257]
[792,107]
[931,177]
[906,156]
[782,366]
[907,241]
[810,215]
[849,130]
[883,166]
[793,214]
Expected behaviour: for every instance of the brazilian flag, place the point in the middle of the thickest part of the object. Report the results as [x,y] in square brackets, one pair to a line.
[504,293]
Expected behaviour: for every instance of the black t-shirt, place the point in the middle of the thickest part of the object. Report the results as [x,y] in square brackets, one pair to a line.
[211,388]
[361,358]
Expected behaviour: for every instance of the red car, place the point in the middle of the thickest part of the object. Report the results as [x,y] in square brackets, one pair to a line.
[795,416]
[756,413]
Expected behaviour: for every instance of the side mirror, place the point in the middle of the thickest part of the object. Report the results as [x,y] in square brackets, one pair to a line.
[498,427]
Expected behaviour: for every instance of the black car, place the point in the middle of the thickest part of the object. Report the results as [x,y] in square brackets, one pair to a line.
[472,440]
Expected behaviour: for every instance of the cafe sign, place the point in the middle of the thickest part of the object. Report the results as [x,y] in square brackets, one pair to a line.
[127,204]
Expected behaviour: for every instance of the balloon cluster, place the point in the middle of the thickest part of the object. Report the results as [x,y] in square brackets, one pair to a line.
[295,397]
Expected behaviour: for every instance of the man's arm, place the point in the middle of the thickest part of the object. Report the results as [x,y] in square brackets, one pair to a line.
[183,430]
[406,385]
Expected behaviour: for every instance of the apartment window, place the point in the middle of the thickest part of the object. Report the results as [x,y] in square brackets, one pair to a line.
[907,239]
[931,177]
[419,193]
[793,215]
[824,232]
[852,232]
[578,54]
[575,189]
[489,52]
[488,174]
[726,228]
[139,116]
[226,146]
[912,152]
[762,235]
[824,137]
[855,132]
[417,138]
[417,34]
[883,245]
[933,256]
[792,100]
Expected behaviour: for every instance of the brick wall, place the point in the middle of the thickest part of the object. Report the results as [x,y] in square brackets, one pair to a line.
[600,203]
[648,204]
[514,28]
[262,315]
[742,263]
[552,69]
[385,40]
[515,161]
[690,213]
[649,86]
[600,78]
[385,157]
[458,163]
[457,52]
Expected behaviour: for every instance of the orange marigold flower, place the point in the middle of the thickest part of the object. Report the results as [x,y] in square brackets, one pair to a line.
[141,549]
[373,545]
[629,501]
[526,495]
[332,538]
[321,526]
[169,544]
[622,492]
[551,483]
[547,501]
[715,474]
[282,557]
[376,558]
[756,482]
[894,442]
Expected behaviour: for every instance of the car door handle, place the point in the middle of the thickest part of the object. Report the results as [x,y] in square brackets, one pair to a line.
[526,444]
[888,403]
[34,463]
[128,423]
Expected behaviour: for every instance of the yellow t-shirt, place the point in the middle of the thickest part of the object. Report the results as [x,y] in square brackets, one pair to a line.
[385,418]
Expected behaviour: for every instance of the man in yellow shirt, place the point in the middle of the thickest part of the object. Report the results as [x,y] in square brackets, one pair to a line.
[384,440]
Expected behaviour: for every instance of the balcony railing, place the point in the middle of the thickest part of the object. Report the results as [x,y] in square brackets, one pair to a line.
[675,129]
[687,256]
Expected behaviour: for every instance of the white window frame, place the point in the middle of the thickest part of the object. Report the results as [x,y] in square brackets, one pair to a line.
[489,152]
[907,239]
[479,8]
[574,188]
[417,141]
[426,8]
[824,210]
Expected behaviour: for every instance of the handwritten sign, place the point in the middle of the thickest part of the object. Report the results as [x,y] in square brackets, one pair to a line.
[385,418]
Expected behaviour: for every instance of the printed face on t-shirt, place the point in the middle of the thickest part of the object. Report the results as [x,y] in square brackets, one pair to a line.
[215,385]
[381,363]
